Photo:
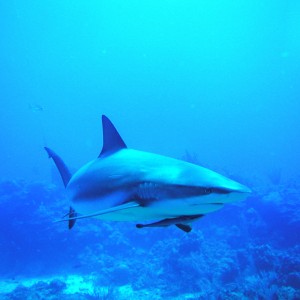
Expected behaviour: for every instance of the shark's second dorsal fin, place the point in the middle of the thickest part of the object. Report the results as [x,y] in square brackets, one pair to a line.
[112,141]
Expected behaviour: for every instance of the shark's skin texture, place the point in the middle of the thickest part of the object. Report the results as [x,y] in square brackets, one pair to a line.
[129,185]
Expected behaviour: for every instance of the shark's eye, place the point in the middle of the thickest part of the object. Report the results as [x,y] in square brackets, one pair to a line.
[208,191]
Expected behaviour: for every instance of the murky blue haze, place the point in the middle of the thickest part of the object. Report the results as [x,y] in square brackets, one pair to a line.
[213,82]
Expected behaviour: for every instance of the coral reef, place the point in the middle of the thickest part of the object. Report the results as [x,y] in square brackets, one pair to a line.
[245,251]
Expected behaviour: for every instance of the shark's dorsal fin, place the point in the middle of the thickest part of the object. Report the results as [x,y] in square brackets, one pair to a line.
[61,166]
[112,141]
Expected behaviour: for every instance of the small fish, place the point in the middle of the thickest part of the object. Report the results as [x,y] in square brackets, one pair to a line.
[35,107]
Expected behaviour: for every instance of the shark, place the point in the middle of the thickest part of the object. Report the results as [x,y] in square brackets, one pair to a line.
[152,190]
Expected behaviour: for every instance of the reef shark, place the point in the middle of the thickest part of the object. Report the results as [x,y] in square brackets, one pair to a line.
[124,184]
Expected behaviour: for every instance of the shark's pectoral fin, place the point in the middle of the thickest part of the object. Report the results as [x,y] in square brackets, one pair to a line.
[98,213]
[184,227]
[181,222]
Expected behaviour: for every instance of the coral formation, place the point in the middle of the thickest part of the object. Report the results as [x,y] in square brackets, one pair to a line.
[249,250]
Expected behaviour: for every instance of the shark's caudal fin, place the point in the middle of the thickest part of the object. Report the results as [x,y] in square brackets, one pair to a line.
[65,176]
[61,166]
[112,141]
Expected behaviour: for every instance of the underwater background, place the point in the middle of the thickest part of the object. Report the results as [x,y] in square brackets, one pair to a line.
[214,82]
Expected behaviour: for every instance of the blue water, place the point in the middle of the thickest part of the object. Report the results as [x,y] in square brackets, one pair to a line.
[213,82]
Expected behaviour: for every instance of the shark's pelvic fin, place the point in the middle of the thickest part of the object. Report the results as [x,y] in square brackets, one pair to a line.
[98,213]
[72,214]
[112,141]
[61,166]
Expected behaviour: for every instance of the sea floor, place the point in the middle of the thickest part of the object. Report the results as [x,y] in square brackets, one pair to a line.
[76,287]
[249,250]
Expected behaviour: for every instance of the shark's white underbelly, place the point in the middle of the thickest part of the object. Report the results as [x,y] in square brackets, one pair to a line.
[141,214]
[156,210]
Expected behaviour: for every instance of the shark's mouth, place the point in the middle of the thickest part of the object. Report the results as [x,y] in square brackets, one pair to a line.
[155,191]
[152,191]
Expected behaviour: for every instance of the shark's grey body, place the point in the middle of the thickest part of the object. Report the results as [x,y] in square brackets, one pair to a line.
[128,185]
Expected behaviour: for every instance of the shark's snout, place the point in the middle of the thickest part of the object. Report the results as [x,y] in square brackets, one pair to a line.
[245,190]
[240,188]
[230,191]
[231,186]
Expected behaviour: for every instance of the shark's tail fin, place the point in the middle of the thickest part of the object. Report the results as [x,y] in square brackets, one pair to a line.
[61,166]
[65,176]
